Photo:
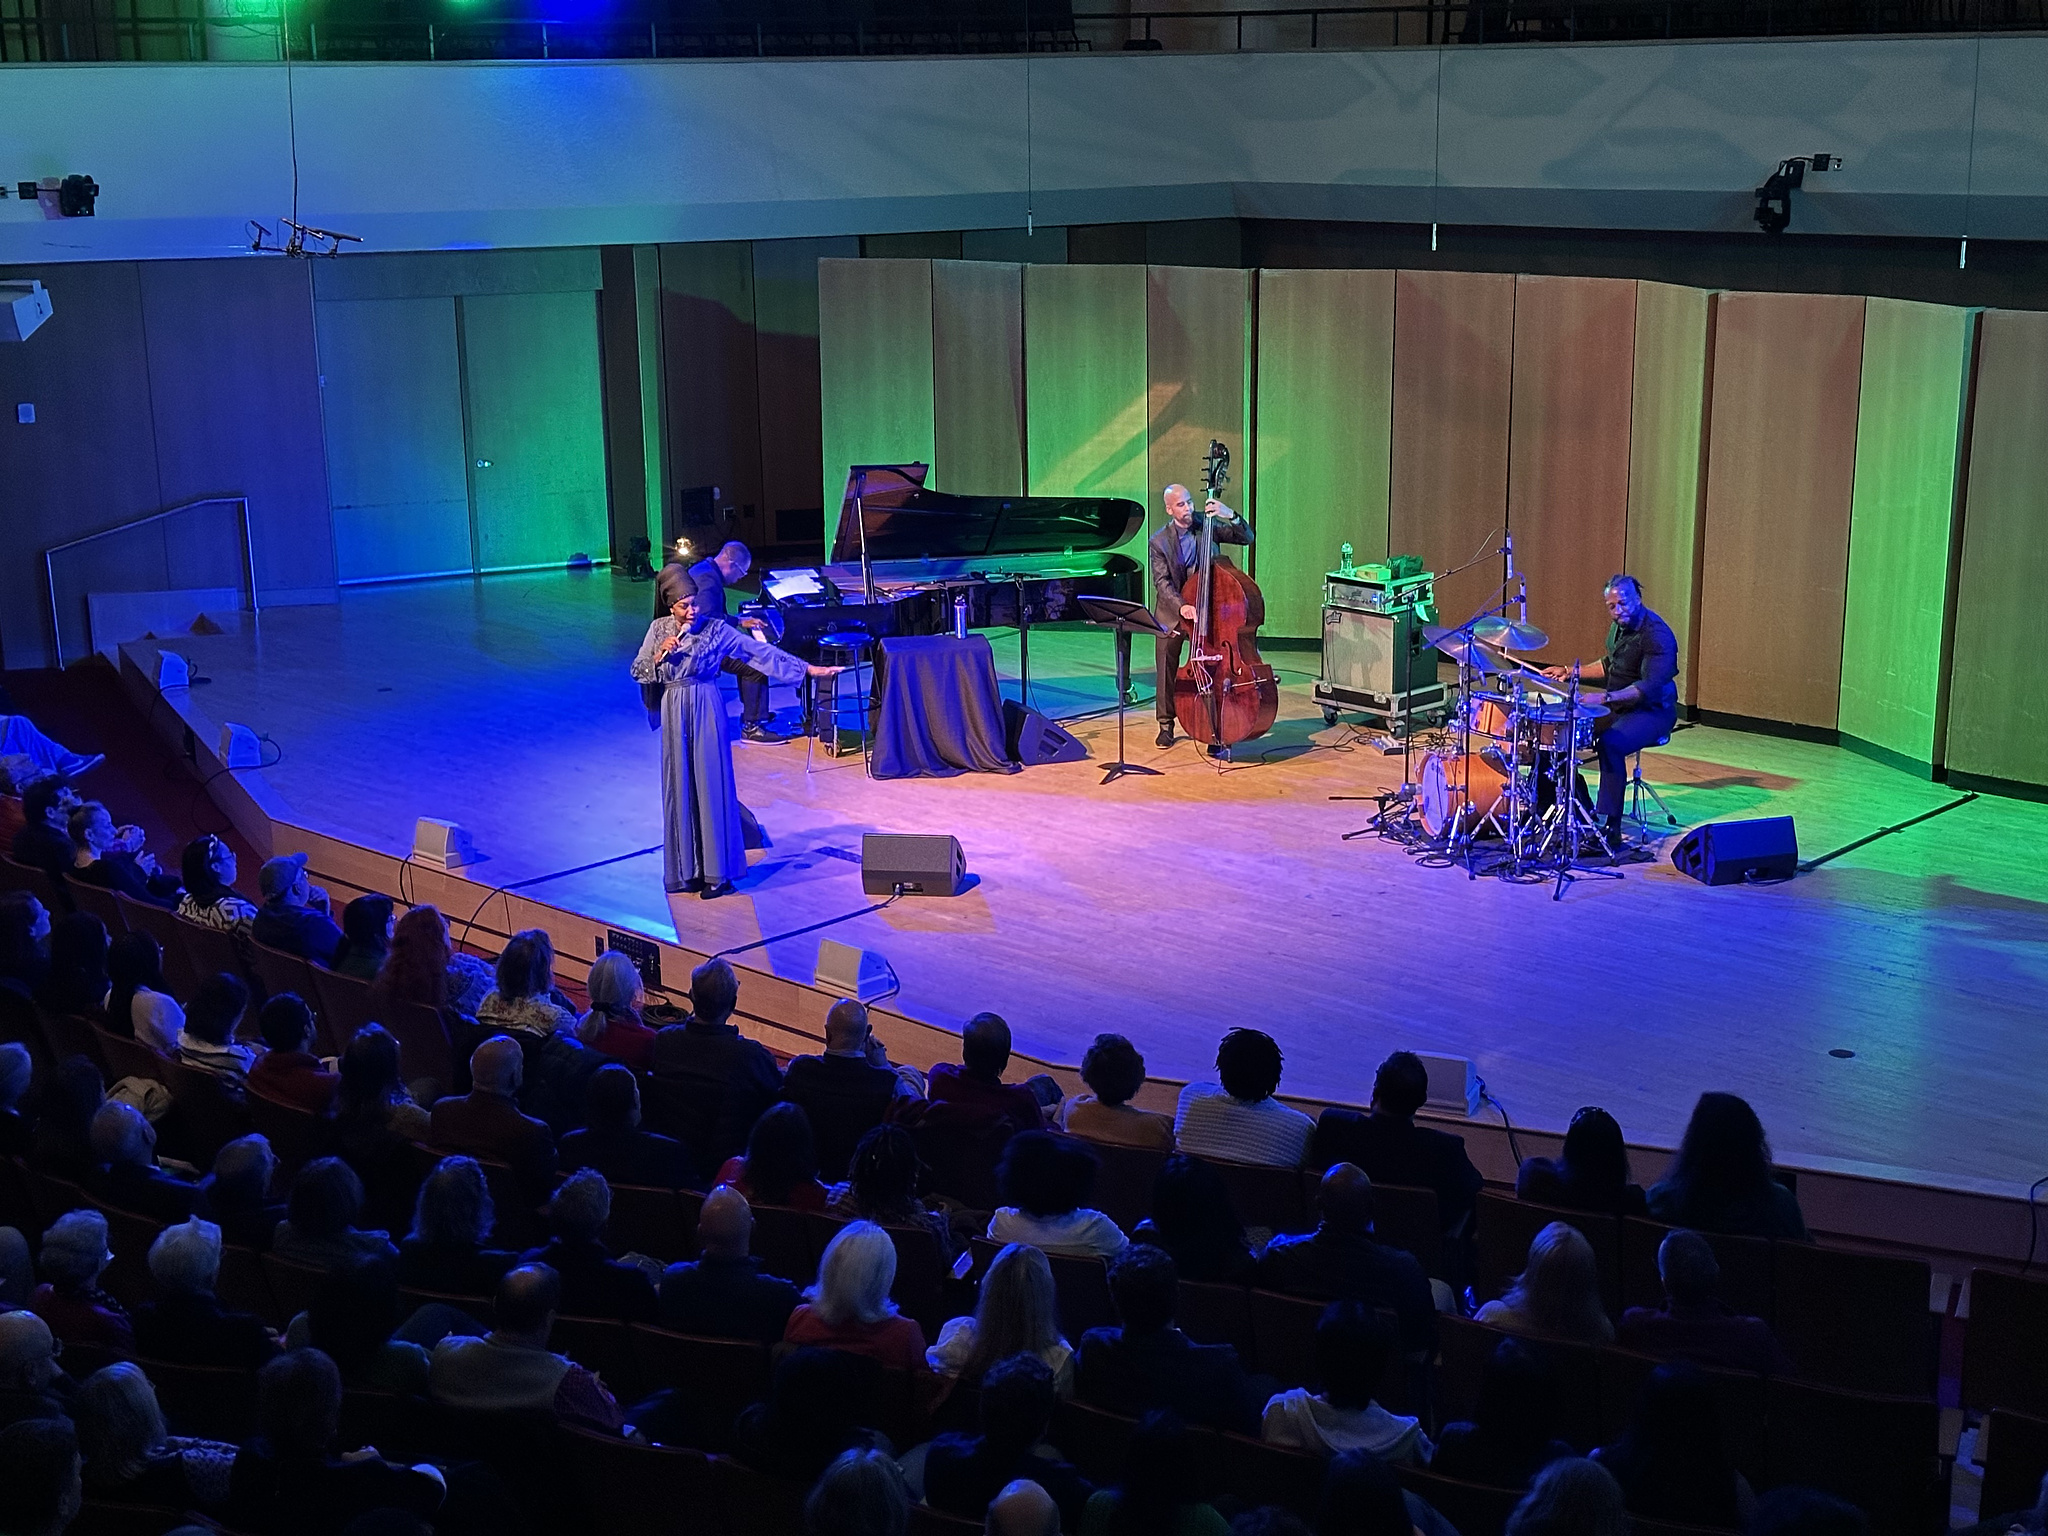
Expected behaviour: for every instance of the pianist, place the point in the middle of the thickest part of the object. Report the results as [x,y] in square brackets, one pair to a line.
[1173,551]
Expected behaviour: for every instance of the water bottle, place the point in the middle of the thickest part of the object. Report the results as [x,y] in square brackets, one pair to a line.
[960,615]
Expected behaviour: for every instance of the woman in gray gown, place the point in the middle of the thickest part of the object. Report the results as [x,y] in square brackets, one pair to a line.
[704,850]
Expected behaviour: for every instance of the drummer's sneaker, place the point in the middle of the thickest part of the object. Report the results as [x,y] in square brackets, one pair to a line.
[758,731]
[1166,733]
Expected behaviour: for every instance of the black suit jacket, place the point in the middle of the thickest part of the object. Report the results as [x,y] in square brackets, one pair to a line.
[197,1330]
[727,1299]
[844,1097]
[1395,1150]
[637,1157]
[1203,1383]
[1170,572]
[710,1085]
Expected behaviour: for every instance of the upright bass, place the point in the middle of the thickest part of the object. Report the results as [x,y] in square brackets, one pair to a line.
[1223,693]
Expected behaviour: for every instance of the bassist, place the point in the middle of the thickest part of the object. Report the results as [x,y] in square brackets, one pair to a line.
[1174,553]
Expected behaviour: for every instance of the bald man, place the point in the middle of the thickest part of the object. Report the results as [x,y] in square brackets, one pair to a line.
[1023,1509]
[726,1293]
[32,1384]
[1340,1261]
[847,1090]
[712,577]
[486,1121]
[512,1370]
[1173,553]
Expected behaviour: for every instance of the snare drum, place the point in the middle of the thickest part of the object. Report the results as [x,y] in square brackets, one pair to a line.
[1443,785]
[1555,728]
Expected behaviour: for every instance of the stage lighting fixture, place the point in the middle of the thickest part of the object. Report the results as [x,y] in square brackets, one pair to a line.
[1774,198]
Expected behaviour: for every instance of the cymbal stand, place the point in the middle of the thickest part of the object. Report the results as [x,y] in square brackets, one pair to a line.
[1574,823]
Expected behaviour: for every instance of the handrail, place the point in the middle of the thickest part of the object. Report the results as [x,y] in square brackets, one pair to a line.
[50,569]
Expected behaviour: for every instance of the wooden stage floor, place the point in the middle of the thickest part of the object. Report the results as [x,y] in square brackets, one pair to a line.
[1173,908]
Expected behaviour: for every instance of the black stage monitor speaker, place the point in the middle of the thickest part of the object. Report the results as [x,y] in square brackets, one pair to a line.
[1029,738]
[923,865]
[1732,852]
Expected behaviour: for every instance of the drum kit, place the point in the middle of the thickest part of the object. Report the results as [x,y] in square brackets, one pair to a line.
[1498,791]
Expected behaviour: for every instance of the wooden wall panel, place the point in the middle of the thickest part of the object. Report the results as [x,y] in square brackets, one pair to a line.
[1198,378]
[1998,711]
[875,367]
[1453,341]
[710,378]
[1781,466]
[1324,433]
[1084,381]
[786,371]
[1915,389]
[978,377]
[1666,459]
[1568,451]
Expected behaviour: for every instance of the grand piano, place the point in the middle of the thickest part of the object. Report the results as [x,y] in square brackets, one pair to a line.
[1016,561]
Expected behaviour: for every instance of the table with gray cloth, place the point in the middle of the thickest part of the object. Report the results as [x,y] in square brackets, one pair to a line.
[938,709]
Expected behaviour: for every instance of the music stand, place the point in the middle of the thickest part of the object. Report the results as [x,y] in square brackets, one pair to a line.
[1125,618]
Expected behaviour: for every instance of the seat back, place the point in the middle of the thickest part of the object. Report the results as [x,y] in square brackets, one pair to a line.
[2005,1342]
[720,1376]
[1405,1216]
[100,902]
[1464,1349]
[1855,1320]
[629,1487]
[242,1287]
[296,1135]
[1093,1439]
[1506,1226]
[53,1196]
[1745,1267]
[214,951]
[207,1113]
[278,970]
[1475,1510]
[70,1035]
[181,976]
[1739,1395]
[1210,1312]
[291,1284]
[129,1236]
[1284,1337]
[208,1402]
[921,1271]
[344,1007]
[1264,1196]
[1262,1474]
[54,895]
[127,1057]
[759,1505]
[783,1242]
[423,1048]
[1124,1180]
[603,1345]
[1879,1453]
[2012,1448]
[650,1221]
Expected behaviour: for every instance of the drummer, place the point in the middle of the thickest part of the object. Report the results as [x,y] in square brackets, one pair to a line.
[1639,686]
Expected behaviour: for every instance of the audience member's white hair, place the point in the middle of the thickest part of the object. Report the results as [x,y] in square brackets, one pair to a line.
[1023,1508]
[186,1258]
[119,1421]
[861,1494]
[613,981]
[582,1205]
[75,1248]
[854,1277]
[1571,1494]
[28,1351]
[121,1136]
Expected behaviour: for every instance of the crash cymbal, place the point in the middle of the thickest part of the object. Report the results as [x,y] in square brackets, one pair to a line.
[1462,648]
[1509,635]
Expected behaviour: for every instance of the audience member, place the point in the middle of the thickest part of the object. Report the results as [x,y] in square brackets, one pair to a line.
[1363,1497]
[1156,1496]
[594,1284]
[1147,1363]
[139,1004]
[1557,1294]
[819,1404]
[425,967]
[376,1122]
[17,1072]
[1015,1313]
[44,840]
[713,1081]
[1340,1260]
[860,1494]
[130,1458]
[1796,1511]
[62,1144]
[1044,1181]
[612,1142]
[1022,1508]
[32,1384]
[70,1300]
[1354,1348]
[448,1249]
[186,1322]
[1693,1324]
[295,916]
[77,981]
[1238,1119]
[113,858]
[1508,1439]
[288,1071]
[486,1121]
[846,1091]
[849,1308]
[881,1186]
[1721,1179]
[614,1025]
[210,897]
[365,937]
[1114,1072]
[353,1319]
[125,1143]
[781,1162]
[24,942]
[524,1001]
[726,1293]
[975,1087]
[40,1487]
[319,1228]
[963,1472]
[1590,1175]
[1670,1462]
[290,1481]
[1571,1497]
[511,1367]
[1392,1149]
[17,1269]
[208,1039]
[34,755]
[235,1196]
[1193,1220]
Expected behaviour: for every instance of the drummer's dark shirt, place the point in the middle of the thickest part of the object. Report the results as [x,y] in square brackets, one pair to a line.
[1646,655]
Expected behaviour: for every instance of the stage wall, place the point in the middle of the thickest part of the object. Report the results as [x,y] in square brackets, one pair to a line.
[1783,471]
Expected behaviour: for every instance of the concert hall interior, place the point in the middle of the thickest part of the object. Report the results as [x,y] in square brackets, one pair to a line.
[1506,533]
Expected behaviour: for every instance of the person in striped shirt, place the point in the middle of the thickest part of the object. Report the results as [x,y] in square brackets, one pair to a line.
[1238,1119]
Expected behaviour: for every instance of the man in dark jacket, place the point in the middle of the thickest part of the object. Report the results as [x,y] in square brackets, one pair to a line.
[594,1284]
[612,1142]
[45,836]
[186,1322]
[125,1143]
[846,1091]
[710,1081]
[712,577]
[1393,1149]
[726,1294]
[1148,1363]
[294,916]
[1339,1261]
[486,1122]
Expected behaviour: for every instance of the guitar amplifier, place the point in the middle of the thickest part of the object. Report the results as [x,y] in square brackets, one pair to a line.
[1375,661]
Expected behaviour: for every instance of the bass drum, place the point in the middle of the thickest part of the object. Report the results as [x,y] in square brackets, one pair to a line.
[1442,794]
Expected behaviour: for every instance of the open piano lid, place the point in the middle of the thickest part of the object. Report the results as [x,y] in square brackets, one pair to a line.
[907,522]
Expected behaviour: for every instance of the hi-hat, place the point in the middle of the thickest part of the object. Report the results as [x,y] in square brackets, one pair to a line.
[1510,636]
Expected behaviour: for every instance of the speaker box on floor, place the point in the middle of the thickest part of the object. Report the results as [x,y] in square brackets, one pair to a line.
[924,865]
[1732,852]
[1029,738]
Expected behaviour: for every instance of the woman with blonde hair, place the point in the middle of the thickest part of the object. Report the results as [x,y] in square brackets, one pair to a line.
[1017,1314]
[131,1459]
[849,1308]
[1557,1294]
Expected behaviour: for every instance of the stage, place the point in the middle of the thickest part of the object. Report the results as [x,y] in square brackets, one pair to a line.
[1173,908]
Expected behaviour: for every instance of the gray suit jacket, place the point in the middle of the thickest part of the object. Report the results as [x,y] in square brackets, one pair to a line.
[1170,573]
